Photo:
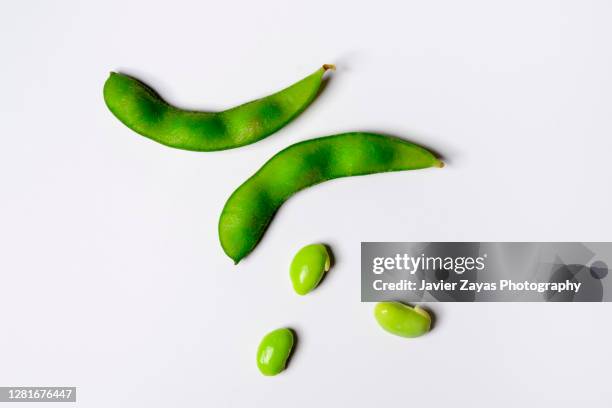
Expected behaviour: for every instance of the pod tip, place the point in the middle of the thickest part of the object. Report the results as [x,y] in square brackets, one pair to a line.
[439,164]
[327,67]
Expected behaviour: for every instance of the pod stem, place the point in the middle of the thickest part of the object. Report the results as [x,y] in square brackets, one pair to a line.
[329,67]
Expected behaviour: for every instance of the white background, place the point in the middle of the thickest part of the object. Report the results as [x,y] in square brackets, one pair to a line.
[113,279]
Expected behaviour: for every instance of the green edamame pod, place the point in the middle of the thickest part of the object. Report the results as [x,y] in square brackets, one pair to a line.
[274,350]
[308,267]
[250,208]
[402,320]
[141,109]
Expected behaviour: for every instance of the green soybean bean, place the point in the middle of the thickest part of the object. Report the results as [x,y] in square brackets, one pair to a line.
[402,320]
[141,109]
[308,267]
[250,208]
[274,350]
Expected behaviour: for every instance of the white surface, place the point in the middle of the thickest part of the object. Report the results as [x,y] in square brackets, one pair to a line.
[112,276]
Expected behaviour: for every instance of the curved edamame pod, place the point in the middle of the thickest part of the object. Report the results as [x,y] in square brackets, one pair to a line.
[250,208]
[141,109]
